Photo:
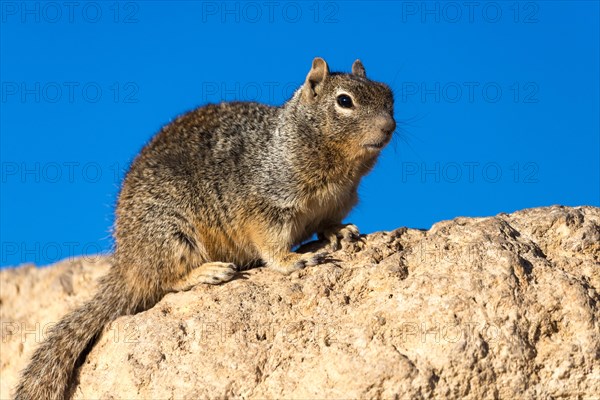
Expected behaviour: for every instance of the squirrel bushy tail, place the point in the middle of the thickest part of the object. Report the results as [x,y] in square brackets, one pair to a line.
[52,365]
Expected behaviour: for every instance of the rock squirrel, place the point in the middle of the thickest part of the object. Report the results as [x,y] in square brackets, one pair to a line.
[225,186]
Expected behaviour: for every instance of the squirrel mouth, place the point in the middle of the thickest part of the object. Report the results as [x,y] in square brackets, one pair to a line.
[375,146]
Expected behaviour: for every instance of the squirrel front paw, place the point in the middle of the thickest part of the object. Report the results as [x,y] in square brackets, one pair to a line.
[293,262]
[337,233]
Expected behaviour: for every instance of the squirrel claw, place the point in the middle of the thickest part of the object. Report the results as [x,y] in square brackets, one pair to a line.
[317,258]
[313,259]
[338,233]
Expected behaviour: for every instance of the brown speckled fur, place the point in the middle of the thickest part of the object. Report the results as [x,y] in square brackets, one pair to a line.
[222,187]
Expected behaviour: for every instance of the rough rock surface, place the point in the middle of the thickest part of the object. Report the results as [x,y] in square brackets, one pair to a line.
[498,307]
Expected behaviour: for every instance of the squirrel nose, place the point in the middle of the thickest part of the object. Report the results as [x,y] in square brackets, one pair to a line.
[386,123]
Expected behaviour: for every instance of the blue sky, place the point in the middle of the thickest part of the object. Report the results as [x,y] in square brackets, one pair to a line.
[498,102]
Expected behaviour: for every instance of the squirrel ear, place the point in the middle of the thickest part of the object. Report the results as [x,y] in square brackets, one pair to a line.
[358,69]
[315,77]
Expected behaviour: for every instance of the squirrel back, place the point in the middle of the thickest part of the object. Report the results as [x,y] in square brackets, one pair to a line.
[223,187]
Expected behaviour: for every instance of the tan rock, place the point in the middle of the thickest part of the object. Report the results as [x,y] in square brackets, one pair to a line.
[505,306]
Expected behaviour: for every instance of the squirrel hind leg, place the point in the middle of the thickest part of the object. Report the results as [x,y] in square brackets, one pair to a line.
[211,273]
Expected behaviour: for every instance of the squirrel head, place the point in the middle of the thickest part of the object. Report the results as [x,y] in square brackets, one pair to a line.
[351,111]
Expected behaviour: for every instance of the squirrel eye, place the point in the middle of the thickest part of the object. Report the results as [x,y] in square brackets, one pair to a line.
[344,101]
